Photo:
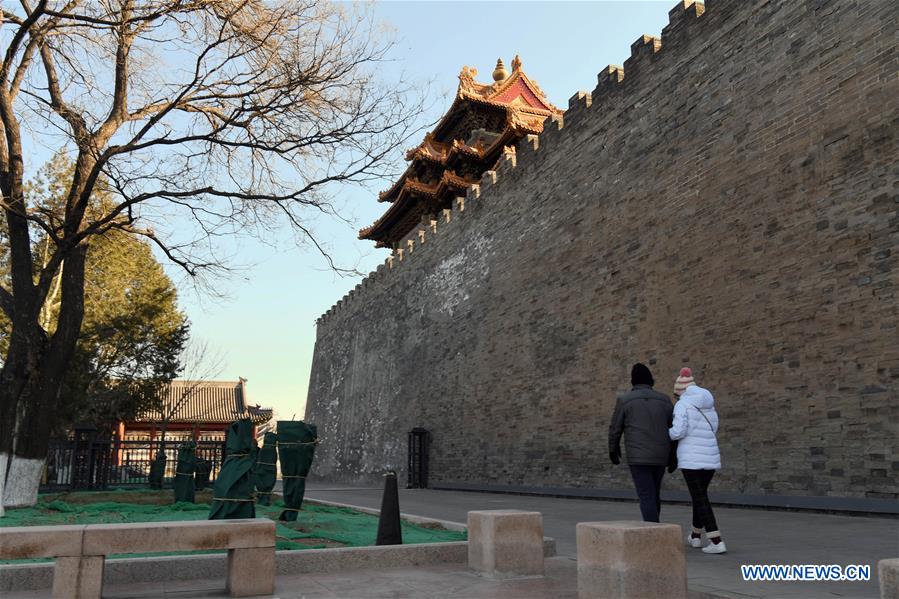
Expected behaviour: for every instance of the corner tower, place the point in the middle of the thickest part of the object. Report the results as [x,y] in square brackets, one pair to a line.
[484,121]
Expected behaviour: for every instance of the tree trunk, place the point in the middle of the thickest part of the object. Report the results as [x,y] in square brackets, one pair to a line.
[4,459]
[23,480]
[20,462]
[20,453]
[19,375]
[35,372]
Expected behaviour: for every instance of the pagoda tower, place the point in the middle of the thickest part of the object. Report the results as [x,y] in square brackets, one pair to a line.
[484,121]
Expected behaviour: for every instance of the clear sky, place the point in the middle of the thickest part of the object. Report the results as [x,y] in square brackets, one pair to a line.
[266,327]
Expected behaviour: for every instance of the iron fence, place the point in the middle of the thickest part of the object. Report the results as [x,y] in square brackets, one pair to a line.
[74,464]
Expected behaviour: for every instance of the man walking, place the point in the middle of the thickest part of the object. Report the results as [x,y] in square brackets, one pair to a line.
[643,416]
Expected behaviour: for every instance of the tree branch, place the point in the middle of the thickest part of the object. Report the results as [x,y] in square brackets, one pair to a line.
[119,109]
[23,30]
[74,119]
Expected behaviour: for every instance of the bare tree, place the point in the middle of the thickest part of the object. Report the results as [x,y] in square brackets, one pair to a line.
[227,114]
[200,364]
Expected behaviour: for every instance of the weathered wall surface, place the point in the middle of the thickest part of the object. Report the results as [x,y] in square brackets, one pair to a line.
[728,202]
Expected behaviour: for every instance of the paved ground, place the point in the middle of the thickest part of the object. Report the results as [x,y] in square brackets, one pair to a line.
[443,582]
[410,583]
[752,536]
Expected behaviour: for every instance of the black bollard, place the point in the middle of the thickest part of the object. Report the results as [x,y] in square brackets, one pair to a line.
[389,531]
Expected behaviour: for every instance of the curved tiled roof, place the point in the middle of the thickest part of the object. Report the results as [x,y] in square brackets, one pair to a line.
[448,181]
[206,401]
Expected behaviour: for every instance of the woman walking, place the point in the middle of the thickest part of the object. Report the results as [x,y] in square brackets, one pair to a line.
[694,427]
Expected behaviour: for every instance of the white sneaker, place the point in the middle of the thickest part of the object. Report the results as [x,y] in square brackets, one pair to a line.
[694,542]
[713,548]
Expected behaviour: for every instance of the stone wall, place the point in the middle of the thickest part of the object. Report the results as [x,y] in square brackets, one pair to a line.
[727,200]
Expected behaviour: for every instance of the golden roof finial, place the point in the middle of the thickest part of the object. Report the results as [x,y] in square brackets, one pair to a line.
[516,63]
[499,73]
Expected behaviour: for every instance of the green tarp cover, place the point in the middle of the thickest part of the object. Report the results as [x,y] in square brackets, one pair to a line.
[184,473]
[202,469]
[157,470]
[232,494]
[266,468]
[296,445]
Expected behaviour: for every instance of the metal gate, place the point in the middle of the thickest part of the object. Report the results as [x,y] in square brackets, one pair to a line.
[419,440]
[88,462]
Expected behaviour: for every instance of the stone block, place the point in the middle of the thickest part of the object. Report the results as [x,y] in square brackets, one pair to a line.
[26,577]
[251,571]
[20,542]
[106,539]
[630,559]
[78,577]
[888,574]
[505,543]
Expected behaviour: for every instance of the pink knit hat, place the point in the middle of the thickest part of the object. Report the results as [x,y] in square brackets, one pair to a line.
[683,381]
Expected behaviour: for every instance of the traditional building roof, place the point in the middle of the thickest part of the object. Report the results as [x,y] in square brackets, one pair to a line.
[218,402]
[484,120]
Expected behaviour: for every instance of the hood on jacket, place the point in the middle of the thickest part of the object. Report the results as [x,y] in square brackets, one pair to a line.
[699,397]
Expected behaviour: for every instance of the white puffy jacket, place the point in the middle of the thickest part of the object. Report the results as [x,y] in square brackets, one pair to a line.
[697,447]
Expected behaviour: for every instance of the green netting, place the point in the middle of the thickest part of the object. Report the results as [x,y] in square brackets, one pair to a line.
[49,511]
[296,445]
[233,489]
[184,472]
[353,529]
[317,526]
[266,469]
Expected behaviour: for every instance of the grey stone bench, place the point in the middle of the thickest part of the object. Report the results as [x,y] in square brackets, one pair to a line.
[80,550]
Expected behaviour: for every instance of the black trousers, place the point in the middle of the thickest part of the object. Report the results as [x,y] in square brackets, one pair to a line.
[648,481]
[698,485]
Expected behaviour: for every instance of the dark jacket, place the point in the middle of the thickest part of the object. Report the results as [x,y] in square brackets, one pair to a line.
[643,415]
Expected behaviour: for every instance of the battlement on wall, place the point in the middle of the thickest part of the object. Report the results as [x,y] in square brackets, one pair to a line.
[686,21]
